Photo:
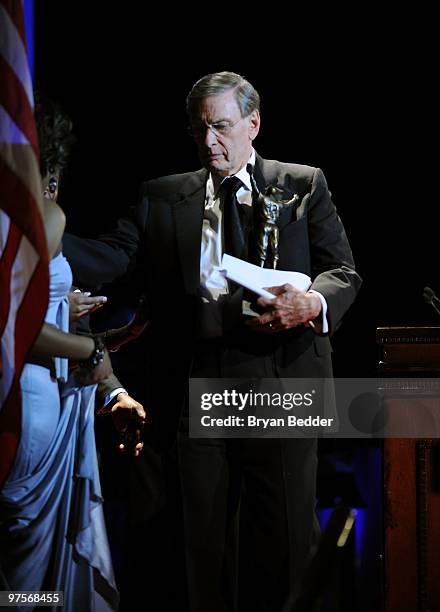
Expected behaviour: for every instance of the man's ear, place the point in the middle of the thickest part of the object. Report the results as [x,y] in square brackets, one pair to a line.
[254,124]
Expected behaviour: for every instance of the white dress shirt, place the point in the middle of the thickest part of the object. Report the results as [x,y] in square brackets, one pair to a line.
[214,285]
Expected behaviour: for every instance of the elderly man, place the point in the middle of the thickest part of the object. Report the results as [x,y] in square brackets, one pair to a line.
[182,226]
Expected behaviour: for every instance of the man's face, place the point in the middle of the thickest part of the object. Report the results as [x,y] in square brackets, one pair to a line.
[226,147]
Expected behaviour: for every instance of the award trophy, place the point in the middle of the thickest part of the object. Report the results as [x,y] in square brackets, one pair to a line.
[269,206]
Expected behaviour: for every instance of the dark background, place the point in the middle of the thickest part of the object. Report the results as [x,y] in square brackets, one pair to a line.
[354,101]
[349,104]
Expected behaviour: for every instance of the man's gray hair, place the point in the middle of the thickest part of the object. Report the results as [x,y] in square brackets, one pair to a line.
[217,83]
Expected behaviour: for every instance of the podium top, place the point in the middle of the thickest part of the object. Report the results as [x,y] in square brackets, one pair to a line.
[408,335]
[409,350]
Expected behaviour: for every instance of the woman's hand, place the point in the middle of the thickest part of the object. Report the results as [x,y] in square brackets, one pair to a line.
[82,303]
[97,374]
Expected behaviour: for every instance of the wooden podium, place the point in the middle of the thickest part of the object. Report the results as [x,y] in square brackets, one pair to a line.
[411,471]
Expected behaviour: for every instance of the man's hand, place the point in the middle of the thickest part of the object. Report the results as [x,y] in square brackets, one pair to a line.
[115,338]
[290,308]
[129,418]
[82,303]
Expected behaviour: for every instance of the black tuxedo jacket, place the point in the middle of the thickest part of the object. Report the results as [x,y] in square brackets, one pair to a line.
[163,235]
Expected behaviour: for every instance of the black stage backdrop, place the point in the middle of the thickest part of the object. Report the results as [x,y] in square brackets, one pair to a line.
[354,101]
[348,103]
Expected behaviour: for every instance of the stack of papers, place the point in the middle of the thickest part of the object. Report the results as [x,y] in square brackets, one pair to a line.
[255,278]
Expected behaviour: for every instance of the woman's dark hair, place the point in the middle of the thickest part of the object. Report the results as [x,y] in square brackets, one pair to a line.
[55,136]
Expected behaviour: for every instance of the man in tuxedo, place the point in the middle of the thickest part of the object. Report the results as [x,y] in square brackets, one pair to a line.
[181,227]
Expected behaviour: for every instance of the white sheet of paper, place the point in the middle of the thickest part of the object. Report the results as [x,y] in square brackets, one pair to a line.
[255,278]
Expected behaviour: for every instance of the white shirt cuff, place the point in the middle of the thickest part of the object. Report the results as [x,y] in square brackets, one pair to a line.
[323,312]
[108,398]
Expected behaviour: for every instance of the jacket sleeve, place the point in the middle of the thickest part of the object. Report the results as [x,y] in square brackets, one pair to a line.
[112,255]
[333,268]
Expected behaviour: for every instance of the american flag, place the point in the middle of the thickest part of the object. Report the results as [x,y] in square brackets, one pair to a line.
[23,252]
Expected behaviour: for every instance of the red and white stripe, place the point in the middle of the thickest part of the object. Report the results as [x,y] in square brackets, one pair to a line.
[23,252]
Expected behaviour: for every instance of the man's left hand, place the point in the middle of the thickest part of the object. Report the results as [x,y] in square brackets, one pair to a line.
[290,308]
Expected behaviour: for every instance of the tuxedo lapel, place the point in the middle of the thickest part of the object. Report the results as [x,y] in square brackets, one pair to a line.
[188,220]
[265,173]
